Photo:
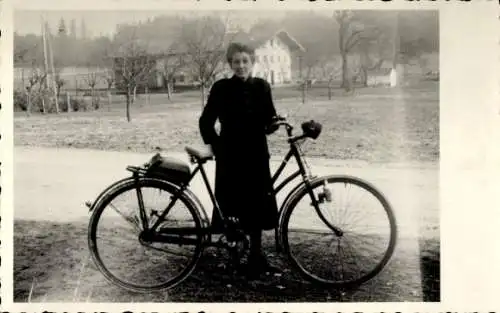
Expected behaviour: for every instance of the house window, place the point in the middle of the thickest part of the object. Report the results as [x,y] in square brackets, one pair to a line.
[257,58]
[271,42]
[271,59]
[265,58]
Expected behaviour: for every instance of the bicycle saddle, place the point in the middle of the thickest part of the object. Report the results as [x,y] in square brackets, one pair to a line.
[203,153]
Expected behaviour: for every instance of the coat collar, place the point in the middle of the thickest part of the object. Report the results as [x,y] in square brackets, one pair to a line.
[249,80]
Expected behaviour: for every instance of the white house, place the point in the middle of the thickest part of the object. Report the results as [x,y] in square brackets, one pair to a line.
[274,57]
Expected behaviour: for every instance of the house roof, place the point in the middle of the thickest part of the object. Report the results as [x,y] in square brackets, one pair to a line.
[257,39]
[380,72]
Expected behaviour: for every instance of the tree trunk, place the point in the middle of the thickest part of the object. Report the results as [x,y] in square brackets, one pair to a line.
[68,101]
[203,94]
[56,100]
[147,96]
[346,84]
[169,90]
[28,108]
[92,100]
[109,100]
[330,90]
[128,96]
[43,104]
[364,76]
[304,87]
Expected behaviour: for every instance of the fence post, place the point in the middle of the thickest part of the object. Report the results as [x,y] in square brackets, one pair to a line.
[68,101]
[28,103]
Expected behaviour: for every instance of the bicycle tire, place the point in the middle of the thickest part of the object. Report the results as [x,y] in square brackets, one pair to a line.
[303,192]
[131,184]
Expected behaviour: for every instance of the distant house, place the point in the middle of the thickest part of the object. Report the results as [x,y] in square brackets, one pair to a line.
[275,55]
[386,75]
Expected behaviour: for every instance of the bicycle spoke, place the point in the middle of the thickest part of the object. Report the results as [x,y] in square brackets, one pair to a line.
[355,213]
[352,253]
[129,219]
[136,264]
[367,239]
[310,231]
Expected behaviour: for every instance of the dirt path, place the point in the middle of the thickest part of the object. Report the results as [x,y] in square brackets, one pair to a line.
[53,184]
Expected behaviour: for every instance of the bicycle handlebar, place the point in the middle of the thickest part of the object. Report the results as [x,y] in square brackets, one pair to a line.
[280,120]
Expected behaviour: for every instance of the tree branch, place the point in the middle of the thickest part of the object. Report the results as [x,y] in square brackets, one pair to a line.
[352,40]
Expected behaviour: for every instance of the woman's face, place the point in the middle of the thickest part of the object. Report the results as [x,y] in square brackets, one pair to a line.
[241,64]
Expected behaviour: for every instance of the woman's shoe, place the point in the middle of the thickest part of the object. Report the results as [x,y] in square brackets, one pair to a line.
[258,265]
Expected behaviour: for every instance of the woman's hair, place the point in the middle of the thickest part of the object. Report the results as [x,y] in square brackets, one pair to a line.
[236,47]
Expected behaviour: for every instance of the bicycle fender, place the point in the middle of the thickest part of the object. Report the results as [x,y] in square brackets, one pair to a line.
[198,206]
[301,188]
[92,205]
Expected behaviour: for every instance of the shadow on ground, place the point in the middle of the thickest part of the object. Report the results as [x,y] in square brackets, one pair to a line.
[51,261]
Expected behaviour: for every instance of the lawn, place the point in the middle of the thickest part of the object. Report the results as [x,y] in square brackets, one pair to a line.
[373,124]
[378,125]
[51,260]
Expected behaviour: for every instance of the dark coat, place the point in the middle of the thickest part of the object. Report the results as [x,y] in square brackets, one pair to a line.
[243,186]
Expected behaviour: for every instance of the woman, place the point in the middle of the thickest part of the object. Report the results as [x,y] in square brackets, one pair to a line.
[243,188]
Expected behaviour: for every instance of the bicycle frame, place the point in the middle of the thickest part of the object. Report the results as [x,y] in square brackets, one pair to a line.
[292,152]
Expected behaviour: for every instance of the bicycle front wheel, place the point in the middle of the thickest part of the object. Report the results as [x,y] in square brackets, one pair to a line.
[367,235]
[123,257]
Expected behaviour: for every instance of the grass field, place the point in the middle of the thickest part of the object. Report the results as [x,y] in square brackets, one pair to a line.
[377,125]
[51,260]
[374,124]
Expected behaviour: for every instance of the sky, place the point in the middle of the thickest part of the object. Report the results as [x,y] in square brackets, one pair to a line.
[104,22]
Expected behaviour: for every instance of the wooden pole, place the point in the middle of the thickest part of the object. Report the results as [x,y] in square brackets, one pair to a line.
[51,54]
[394,73]
[45,52]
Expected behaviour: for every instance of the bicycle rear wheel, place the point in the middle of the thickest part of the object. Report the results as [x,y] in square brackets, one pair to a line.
[134,264]
[365,218]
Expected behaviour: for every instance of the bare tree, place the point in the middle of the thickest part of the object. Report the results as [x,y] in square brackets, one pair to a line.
[43,91]
[35,78]
[204,41]
[349,33]
[109,78]
[306,75]
[132,65]
[92,78]
[376,43]
[331,69]
[59,83]
[173,62]
[371,34]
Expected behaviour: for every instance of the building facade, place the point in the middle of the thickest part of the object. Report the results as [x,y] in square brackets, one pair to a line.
[275,55]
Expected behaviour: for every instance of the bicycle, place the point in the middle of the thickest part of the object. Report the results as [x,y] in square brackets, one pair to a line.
[189,233]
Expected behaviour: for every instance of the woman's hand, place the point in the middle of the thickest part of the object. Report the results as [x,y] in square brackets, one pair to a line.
[271,128]
[274,125]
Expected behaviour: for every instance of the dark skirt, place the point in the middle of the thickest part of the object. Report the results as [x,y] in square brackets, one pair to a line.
[243,189]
